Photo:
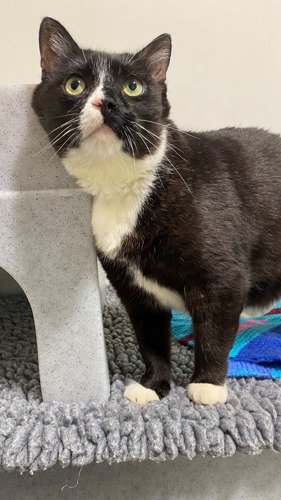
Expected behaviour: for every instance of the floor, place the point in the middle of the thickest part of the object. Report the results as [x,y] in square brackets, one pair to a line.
[236,478]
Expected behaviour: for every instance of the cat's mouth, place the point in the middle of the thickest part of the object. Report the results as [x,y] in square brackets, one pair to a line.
[101,132]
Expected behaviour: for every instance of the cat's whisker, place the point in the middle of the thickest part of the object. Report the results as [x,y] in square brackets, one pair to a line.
[143,140]
[129,139]
[170,126]
[183,132]
[132,138]
[151,133]
[56,139]
[64,127]
[173,148]
[50,144]
[174,167]
[84,55]
[75,139]
[146,130]
[179,174]
[73,116]
[72,140]
[72,120]
[66,115]
[65,142]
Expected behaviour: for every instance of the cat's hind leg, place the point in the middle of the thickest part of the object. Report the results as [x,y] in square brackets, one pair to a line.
[215,323]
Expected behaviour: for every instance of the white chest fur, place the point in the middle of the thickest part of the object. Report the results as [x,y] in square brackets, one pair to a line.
[121,186]
[112,220]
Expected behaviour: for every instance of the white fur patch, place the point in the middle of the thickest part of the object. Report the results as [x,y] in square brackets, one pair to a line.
[255,312]
[102,168]
[167,297]
[91,118]
[137,393]
[121,186]
[207,394]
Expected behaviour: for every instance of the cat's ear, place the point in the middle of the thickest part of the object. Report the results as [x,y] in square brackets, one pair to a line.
[157,56]
[54,42]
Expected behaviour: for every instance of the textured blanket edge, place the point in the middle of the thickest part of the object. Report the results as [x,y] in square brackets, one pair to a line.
[36,435]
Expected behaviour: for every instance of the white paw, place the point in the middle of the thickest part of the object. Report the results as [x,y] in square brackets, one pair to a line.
[139,394]
[207,394]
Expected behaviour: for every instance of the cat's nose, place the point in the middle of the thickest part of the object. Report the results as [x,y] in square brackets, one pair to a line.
[108,105]
[97,103]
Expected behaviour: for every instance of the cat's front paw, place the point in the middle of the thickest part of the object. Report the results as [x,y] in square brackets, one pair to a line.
[140,395]
[207,394]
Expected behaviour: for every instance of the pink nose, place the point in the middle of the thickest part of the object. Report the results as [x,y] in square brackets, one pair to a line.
[97,103]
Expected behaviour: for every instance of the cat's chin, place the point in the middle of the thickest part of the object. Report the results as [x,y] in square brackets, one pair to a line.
[101,143]
[102,133]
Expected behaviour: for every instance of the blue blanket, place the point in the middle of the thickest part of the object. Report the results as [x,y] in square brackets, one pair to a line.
[257,348]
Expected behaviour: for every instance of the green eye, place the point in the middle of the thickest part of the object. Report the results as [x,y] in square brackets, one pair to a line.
[75,85]
[133,88]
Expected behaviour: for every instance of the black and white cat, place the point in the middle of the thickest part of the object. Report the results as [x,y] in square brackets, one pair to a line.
[183,221]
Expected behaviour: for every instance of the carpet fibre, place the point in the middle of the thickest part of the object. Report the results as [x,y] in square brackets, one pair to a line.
[35,435]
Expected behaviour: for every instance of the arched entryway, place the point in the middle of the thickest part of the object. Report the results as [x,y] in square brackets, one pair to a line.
[18,349]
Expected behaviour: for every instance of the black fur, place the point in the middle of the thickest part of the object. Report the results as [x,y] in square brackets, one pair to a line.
[211,229]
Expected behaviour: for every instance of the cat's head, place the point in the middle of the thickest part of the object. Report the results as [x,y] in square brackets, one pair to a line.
[99,104]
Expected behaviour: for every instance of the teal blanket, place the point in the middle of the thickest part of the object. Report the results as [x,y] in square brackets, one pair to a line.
[257,348]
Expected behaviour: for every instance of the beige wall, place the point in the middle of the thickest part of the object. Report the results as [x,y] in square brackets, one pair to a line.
[226,64]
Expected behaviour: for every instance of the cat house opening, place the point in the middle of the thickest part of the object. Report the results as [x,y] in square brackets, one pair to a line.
[18,348]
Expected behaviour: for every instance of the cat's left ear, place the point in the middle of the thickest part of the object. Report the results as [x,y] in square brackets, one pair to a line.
[55,42]
[157,56]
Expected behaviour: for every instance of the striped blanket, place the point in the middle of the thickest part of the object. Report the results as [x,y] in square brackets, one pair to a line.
[257,348]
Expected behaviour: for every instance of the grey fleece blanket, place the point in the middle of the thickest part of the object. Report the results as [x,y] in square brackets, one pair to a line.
[35,435]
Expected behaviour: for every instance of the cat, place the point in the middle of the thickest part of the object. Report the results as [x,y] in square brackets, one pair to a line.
[190,221]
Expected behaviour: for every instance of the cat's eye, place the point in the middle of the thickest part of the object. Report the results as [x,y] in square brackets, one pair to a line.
[75,85]
[133,88]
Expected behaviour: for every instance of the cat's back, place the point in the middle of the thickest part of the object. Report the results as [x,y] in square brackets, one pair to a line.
[242,143]
[236,172]
[249,135]
[250,155]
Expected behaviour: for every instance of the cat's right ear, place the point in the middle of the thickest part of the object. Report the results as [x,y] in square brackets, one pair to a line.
[54,42]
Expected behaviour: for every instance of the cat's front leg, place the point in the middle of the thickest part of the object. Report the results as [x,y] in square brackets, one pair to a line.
[152,325]
[215,324]
[152,328]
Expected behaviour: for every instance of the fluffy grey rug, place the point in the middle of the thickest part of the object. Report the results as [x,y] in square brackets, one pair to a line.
[35,435]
